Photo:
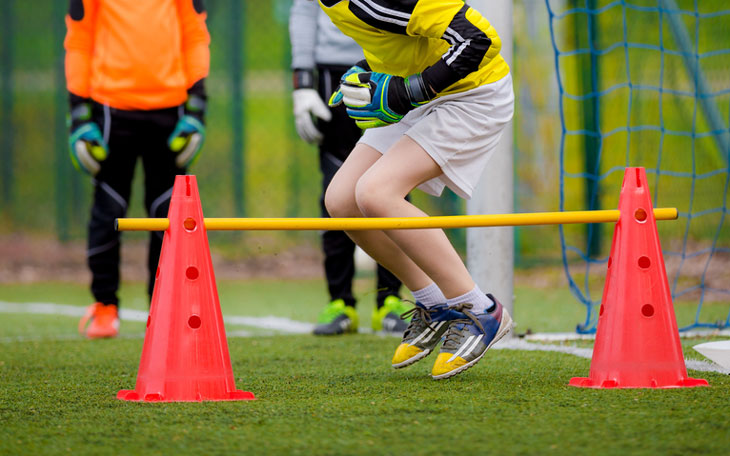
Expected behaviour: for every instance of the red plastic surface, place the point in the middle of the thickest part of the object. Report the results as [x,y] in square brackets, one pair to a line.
[185,355]
[637,340]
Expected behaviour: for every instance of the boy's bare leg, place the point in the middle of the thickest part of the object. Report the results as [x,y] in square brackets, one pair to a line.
[379,193]
[340,202]
[380,183]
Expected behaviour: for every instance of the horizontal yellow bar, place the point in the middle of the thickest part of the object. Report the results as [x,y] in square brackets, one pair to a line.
[394,223]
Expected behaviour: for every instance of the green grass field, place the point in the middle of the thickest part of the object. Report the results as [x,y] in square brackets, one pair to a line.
[333,395]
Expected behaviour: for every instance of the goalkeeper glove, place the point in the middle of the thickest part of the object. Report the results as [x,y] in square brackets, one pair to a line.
[379,99]
[188,136]
[308,104]
[360,67]
[86,144]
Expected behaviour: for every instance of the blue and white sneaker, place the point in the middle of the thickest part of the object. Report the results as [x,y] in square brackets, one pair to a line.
[423,334]
[469,337]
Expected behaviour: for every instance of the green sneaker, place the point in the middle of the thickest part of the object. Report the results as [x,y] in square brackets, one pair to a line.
[336,318]
[387,318]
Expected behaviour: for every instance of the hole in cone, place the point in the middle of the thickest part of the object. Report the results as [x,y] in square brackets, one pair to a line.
[194,322]
[644,262]
[191,273]
[128,395]
[189,224]
[153,397]
[647,310]
[610,260]
[640,215]
[148,321]
[600,310]
[157,273]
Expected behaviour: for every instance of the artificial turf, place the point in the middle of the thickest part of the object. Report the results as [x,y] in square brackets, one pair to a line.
[330,396]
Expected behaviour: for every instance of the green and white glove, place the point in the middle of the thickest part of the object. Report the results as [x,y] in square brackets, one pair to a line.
[378,99]
[188,136]
[86,144]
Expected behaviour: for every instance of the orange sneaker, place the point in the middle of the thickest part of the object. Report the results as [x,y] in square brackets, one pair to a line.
[102,319]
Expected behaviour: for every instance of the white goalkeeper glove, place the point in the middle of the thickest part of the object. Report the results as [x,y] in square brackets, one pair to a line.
[308,104]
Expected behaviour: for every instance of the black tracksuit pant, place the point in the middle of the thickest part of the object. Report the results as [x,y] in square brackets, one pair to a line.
[131,135]
[339,138]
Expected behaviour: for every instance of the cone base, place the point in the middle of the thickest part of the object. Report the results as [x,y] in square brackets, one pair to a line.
[131,395]
[587,382]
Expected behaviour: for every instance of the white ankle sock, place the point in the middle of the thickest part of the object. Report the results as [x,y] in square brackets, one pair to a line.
[429,296]
[476,297]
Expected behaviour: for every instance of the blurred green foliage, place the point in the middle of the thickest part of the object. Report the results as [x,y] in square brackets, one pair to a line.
[254,164]
[277,173]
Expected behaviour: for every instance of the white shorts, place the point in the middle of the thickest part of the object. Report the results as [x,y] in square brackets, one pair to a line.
[459,131]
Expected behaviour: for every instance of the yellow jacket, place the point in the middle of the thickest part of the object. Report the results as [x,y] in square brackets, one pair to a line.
[453,45]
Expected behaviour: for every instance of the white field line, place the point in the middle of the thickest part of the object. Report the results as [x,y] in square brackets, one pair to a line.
[285,325]
[518,344]
[271,323]
[562,337]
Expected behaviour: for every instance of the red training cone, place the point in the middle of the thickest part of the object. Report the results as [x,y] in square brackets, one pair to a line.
[185,354]
[637,340]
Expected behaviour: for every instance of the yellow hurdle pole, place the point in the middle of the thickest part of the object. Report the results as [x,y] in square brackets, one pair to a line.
[394,223]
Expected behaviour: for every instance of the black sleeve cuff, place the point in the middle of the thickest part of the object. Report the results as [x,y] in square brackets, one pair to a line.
[303,78]
[198,89]
[439,76]
[364,65]
[79,110]
[197,101]
[75,100]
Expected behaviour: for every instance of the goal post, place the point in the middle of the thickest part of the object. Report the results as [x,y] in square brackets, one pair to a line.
[490,251]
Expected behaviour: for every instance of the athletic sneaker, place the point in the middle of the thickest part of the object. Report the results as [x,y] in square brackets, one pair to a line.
[387,318]
[423,333]
[469,338]
[102,320]
[336,318]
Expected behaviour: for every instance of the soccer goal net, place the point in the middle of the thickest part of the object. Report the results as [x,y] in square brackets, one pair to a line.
[647,83]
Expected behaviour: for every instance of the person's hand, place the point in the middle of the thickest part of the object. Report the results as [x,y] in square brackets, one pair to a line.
[379,99]
[308,104]
[186,140]
[86,144]
[336,98]
[188,136]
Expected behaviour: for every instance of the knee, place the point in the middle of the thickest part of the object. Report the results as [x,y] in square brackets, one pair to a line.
[340,204]
[370,198]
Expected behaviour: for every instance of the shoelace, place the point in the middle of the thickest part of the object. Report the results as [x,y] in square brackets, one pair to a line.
[423,314]
[454,335]
[418,312]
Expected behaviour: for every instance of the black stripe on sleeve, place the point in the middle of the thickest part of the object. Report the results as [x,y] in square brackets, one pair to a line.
[388,15]
[469,44]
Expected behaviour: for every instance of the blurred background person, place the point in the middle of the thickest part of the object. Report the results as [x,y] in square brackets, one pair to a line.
[321,54]
[135,73]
